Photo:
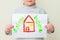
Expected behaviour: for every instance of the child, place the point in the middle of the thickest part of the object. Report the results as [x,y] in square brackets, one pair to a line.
[30,6]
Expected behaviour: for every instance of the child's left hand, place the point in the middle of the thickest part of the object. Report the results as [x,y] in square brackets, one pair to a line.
[50,27]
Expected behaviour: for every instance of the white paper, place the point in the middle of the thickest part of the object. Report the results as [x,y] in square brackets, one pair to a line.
[28,25]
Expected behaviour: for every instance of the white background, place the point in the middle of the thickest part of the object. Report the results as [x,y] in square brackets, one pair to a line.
[51,6]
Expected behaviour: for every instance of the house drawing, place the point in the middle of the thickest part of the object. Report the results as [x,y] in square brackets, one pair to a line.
[28,24]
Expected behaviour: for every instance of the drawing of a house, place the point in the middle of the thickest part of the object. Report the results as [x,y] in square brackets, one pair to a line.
[28,24]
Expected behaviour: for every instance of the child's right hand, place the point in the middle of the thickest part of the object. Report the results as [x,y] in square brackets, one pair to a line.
[8,29]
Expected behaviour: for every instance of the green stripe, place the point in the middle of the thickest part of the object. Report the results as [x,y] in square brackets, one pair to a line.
[18,24]
[38,23]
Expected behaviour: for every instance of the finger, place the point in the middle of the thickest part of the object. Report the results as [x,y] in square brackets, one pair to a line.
[9,26]
[45,26]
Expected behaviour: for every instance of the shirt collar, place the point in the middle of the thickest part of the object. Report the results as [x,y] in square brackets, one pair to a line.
[27,7]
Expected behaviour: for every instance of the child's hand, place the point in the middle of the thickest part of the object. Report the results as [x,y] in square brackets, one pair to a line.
[8,29]
[50,27]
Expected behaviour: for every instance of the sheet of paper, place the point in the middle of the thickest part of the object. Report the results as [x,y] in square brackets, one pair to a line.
[29,25]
